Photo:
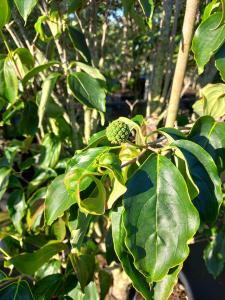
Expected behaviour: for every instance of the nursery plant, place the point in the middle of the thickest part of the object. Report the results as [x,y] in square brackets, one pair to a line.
[76,204]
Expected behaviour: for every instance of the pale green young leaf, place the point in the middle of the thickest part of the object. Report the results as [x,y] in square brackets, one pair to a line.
[25,7]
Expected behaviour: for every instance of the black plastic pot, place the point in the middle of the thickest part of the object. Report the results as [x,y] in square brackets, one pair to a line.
[197,279]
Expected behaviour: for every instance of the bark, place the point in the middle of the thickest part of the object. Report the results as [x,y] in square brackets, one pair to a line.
[188,29]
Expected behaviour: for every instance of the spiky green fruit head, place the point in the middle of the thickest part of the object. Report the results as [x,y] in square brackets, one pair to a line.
[117,132]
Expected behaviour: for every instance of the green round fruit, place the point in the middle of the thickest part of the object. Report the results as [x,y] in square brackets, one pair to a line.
[118,132]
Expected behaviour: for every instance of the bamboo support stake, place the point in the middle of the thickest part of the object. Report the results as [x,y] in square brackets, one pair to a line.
[188,29]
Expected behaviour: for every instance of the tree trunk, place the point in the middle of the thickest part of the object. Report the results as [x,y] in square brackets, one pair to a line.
[188,29]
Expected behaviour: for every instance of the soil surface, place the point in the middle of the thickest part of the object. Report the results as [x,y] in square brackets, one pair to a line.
[178,293]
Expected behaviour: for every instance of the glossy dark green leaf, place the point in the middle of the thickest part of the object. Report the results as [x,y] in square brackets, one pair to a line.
[11,81]
[106,281]
[25,7]
[78,224]
[220,61]
[98,139]
[17,208]
[58,200]
[84,266]
[29,120]
[10,245]
[126,259]
[214,254]
[159,217]
[4,12]
[48,287]
[172,133]
[205,45]
[19,290]
[29,263]
[41,176]
[205,175]
[33,72]
[88,90]
[79,43]
[209,135]
[47,88]
[87,159]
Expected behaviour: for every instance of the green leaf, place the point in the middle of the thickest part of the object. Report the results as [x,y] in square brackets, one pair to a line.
[95,202]
[213,100]
[11,81]
[90,292]
[214,254]
[53,266]
[159,218]
[29,263]
[25,7]
[92,71]
[127,5]
[29,121]
[23,60]
[33,72]
[208,133]
[205,175]
[78,224]
[209,9]
[58,200]
[76,5]
[172,134]
[47,88]
[147,7]
[4,179]
[4,13]
[79,43]
[40,30]
[58,229]
[109,164]
[205,45]
[88,90]
[84,266]
[41,176]
[97,138]
[106,281]
[164,288]
[118,232]
[87,159]
[50,152]
[220,61]
[36,208]
[19,290]
[17,208]
[48,287]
